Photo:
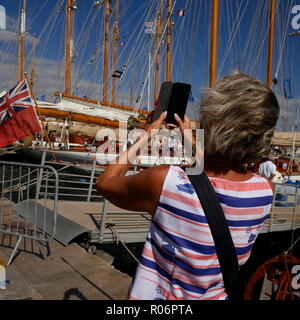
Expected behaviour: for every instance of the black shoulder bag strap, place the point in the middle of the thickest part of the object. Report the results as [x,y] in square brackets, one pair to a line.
[220,232]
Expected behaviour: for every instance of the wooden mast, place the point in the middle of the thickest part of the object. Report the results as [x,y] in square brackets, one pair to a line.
[157,57]
[115,45]
[21,43]
[169,42]
[270,44]
[70,7]
[32,77]
[105,51]
[214,42]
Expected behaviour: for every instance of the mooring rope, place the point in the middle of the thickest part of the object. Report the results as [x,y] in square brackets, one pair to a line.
[115,233]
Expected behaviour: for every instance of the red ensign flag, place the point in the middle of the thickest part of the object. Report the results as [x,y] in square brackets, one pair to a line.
[17,116]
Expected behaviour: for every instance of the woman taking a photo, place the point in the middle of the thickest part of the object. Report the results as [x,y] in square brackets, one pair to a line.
[179,260]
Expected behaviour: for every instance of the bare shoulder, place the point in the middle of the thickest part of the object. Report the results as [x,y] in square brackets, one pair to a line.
[162,169]
[157,174]
[154,178]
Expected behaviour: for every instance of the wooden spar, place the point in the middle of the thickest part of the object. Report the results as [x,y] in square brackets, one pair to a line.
[142,112]
[271,44]
[47,112]
[21,44]
[115,45]
[105,51]
[32,77]
[157,58]
[214,42]
[70,8]
[68,47]
[169,42]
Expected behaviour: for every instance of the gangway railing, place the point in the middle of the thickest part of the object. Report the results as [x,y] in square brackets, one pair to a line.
[23,210]
[285,211]
[116,225]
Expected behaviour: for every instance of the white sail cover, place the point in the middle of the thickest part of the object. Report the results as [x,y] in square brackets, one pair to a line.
[89,109]
[22,22]
[286,139]
[84,129]
[2,18]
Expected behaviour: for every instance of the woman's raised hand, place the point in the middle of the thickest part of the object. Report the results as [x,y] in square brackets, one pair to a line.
[155,125]
[185,124]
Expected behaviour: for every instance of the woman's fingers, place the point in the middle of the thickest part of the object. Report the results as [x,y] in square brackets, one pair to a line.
[160,120]
[185,124]
[157,123]
[163,116]
[178,119]
[187,120]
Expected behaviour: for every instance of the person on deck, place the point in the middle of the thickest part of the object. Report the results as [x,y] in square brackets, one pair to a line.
[179,259]
[267,168]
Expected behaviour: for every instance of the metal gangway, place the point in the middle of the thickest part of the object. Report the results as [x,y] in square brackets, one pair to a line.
[24,213]
[97,219]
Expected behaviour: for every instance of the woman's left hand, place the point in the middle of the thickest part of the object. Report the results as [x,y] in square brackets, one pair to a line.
[155,125]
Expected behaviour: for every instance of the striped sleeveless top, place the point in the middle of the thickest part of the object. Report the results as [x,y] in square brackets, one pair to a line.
[179,260]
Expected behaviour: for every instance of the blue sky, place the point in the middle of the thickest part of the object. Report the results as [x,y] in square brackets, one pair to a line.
[242,44]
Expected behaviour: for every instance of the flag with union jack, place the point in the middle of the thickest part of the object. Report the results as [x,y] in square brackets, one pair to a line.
[18,119]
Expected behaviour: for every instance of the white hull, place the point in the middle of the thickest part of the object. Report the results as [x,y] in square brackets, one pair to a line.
[89,109]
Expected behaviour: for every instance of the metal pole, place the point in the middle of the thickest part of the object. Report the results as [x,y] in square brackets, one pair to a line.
[271,44]
[115,45]
[294,216]
[149,88]
[102,221]
[157,57]
[14,251]
[169,42]
[272,211]
[91,182]
[39,182]
[105,51]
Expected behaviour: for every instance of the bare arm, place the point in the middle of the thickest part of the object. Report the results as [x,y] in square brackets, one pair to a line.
[139,192]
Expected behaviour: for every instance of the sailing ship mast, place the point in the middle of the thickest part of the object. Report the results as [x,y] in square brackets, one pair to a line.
[70,8]
[21,43]
[70,115]
[115,45]
[157,57]
[169,42]
[214,43]
[32,77]
[105,51]
[271,43]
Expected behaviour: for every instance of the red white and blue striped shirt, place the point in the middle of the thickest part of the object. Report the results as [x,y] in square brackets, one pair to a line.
[179,258]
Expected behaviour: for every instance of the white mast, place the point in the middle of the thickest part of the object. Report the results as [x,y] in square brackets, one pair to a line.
[149,78]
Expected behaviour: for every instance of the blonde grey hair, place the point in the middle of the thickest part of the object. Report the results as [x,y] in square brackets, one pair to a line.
[238,116]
